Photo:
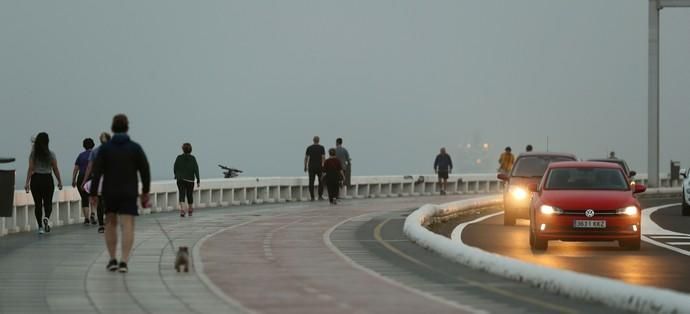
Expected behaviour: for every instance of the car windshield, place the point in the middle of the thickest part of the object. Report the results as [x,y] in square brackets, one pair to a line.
[535,166]
[586,179]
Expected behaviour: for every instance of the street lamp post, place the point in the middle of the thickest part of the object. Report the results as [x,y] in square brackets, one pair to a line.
[655,7]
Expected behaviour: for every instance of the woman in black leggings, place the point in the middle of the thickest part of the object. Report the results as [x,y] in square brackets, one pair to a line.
[186,170]
[39,180]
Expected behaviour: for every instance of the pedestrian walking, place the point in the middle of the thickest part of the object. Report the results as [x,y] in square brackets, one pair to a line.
[612,155]
[344,157]
[529,148]
[100,207]
[333,175]
[119,161]
[313,165]
[443,165]
[39,180]
[186,170]
[506,161]
[79,177]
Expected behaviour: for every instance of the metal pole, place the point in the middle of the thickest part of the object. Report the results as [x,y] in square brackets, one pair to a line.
[653,96]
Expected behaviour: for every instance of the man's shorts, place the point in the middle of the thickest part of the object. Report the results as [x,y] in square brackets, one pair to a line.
[443,175]
[122,206]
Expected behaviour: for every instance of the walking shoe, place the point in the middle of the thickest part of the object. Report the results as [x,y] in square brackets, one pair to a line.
[112,265]
[46,224]
[123,267]
[40,230]
[182,213]
[93,219]
[189,212]
[101,229]
[86,221]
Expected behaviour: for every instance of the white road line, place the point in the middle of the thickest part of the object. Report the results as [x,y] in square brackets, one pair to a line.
[669,237]
[457,232]
[678,243]
[651,229]
[348,260]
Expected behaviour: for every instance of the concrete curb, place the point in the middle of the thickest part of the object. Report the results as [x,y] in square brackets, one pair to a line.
[611,292]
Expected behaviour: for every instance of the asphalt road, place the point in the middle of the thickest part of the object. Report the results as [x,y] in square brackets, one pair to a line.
[652,265]
[380,245]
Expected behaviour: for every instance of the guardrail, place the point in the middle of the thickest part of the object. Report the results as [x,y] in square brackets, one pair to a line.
[247,191]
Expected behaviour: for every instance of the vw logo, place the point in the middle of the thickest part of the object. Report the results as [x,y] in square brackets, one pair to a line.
[589,213]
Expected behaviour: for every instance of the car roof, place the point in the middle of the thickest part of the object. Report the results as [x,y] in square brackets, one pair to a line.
[584,164]
[547,154]
[619,161]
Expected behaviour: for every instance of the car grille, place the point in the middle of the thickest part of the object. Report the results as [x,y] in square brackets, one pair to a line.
[581,212]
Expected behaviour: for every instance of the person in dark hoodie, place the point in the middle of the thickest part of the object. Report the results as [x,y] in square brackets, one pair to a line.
[443,165]
[186,170]
[119,161]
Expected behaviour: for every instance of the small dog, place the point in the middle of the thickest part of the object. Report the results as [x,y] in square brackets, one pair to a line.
[182,259]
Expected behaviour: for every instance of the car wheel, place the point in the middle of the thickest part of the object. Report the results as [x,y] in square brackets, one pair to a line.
[632,245]
[686,208]
[536,243]
[508,218]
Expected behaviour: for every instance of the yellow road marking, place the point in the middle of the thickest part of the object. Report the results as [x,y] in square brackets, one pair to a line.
[377,236]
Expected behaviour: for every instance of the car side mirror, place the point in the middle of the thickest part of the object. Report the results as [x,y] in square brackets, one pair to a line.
[533,187]
[502,177]
[632,173]
[639,188]
[683,173]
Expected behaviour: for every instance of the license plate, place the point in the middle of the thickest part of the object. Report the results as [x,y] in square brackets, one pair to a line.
[589,224]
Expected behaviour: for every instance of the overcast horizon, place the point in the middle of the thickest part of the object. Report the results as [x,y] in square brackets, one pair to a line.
[249,83]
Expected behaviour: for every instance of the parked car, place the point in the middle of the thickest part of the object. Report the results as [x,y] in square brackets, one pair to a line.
[620,162]
[585,201]
[685,175]
[528,168]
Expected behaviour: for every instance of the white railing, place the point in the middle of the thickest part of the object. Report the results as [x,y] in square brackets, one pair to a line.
[247,191]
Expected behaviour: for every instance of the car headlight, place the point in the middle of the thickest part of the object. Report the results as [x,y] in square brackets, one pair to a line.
[628,211]
[518,193]
[550,210]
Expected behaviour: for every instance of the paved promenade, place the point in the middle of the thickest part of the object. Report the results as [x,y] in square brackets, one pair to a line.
[281,264]
[64,271]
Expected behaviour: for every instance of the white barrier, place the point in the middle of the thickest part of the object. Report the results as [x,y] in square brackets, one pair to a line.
[247,191]
[611,292]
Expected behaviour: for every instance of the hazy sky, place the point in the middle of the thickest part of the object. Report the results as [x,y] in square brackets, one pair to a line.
[248,83]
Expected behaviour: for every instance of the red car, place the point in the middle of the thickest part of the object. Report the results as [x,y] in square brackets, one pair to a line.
[585,201]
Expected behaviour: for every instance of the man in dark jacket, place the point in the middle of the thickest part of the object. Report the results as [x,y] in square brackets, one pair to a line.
[313,164]
[119,161]
[443,165]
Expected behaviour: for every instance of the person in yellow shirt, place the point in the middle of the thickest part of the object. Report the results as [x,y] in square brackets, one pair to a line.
[506,161]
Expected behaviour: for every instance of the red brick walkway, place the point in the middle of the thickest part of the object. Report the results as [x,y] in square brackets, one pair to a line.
[281,264]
